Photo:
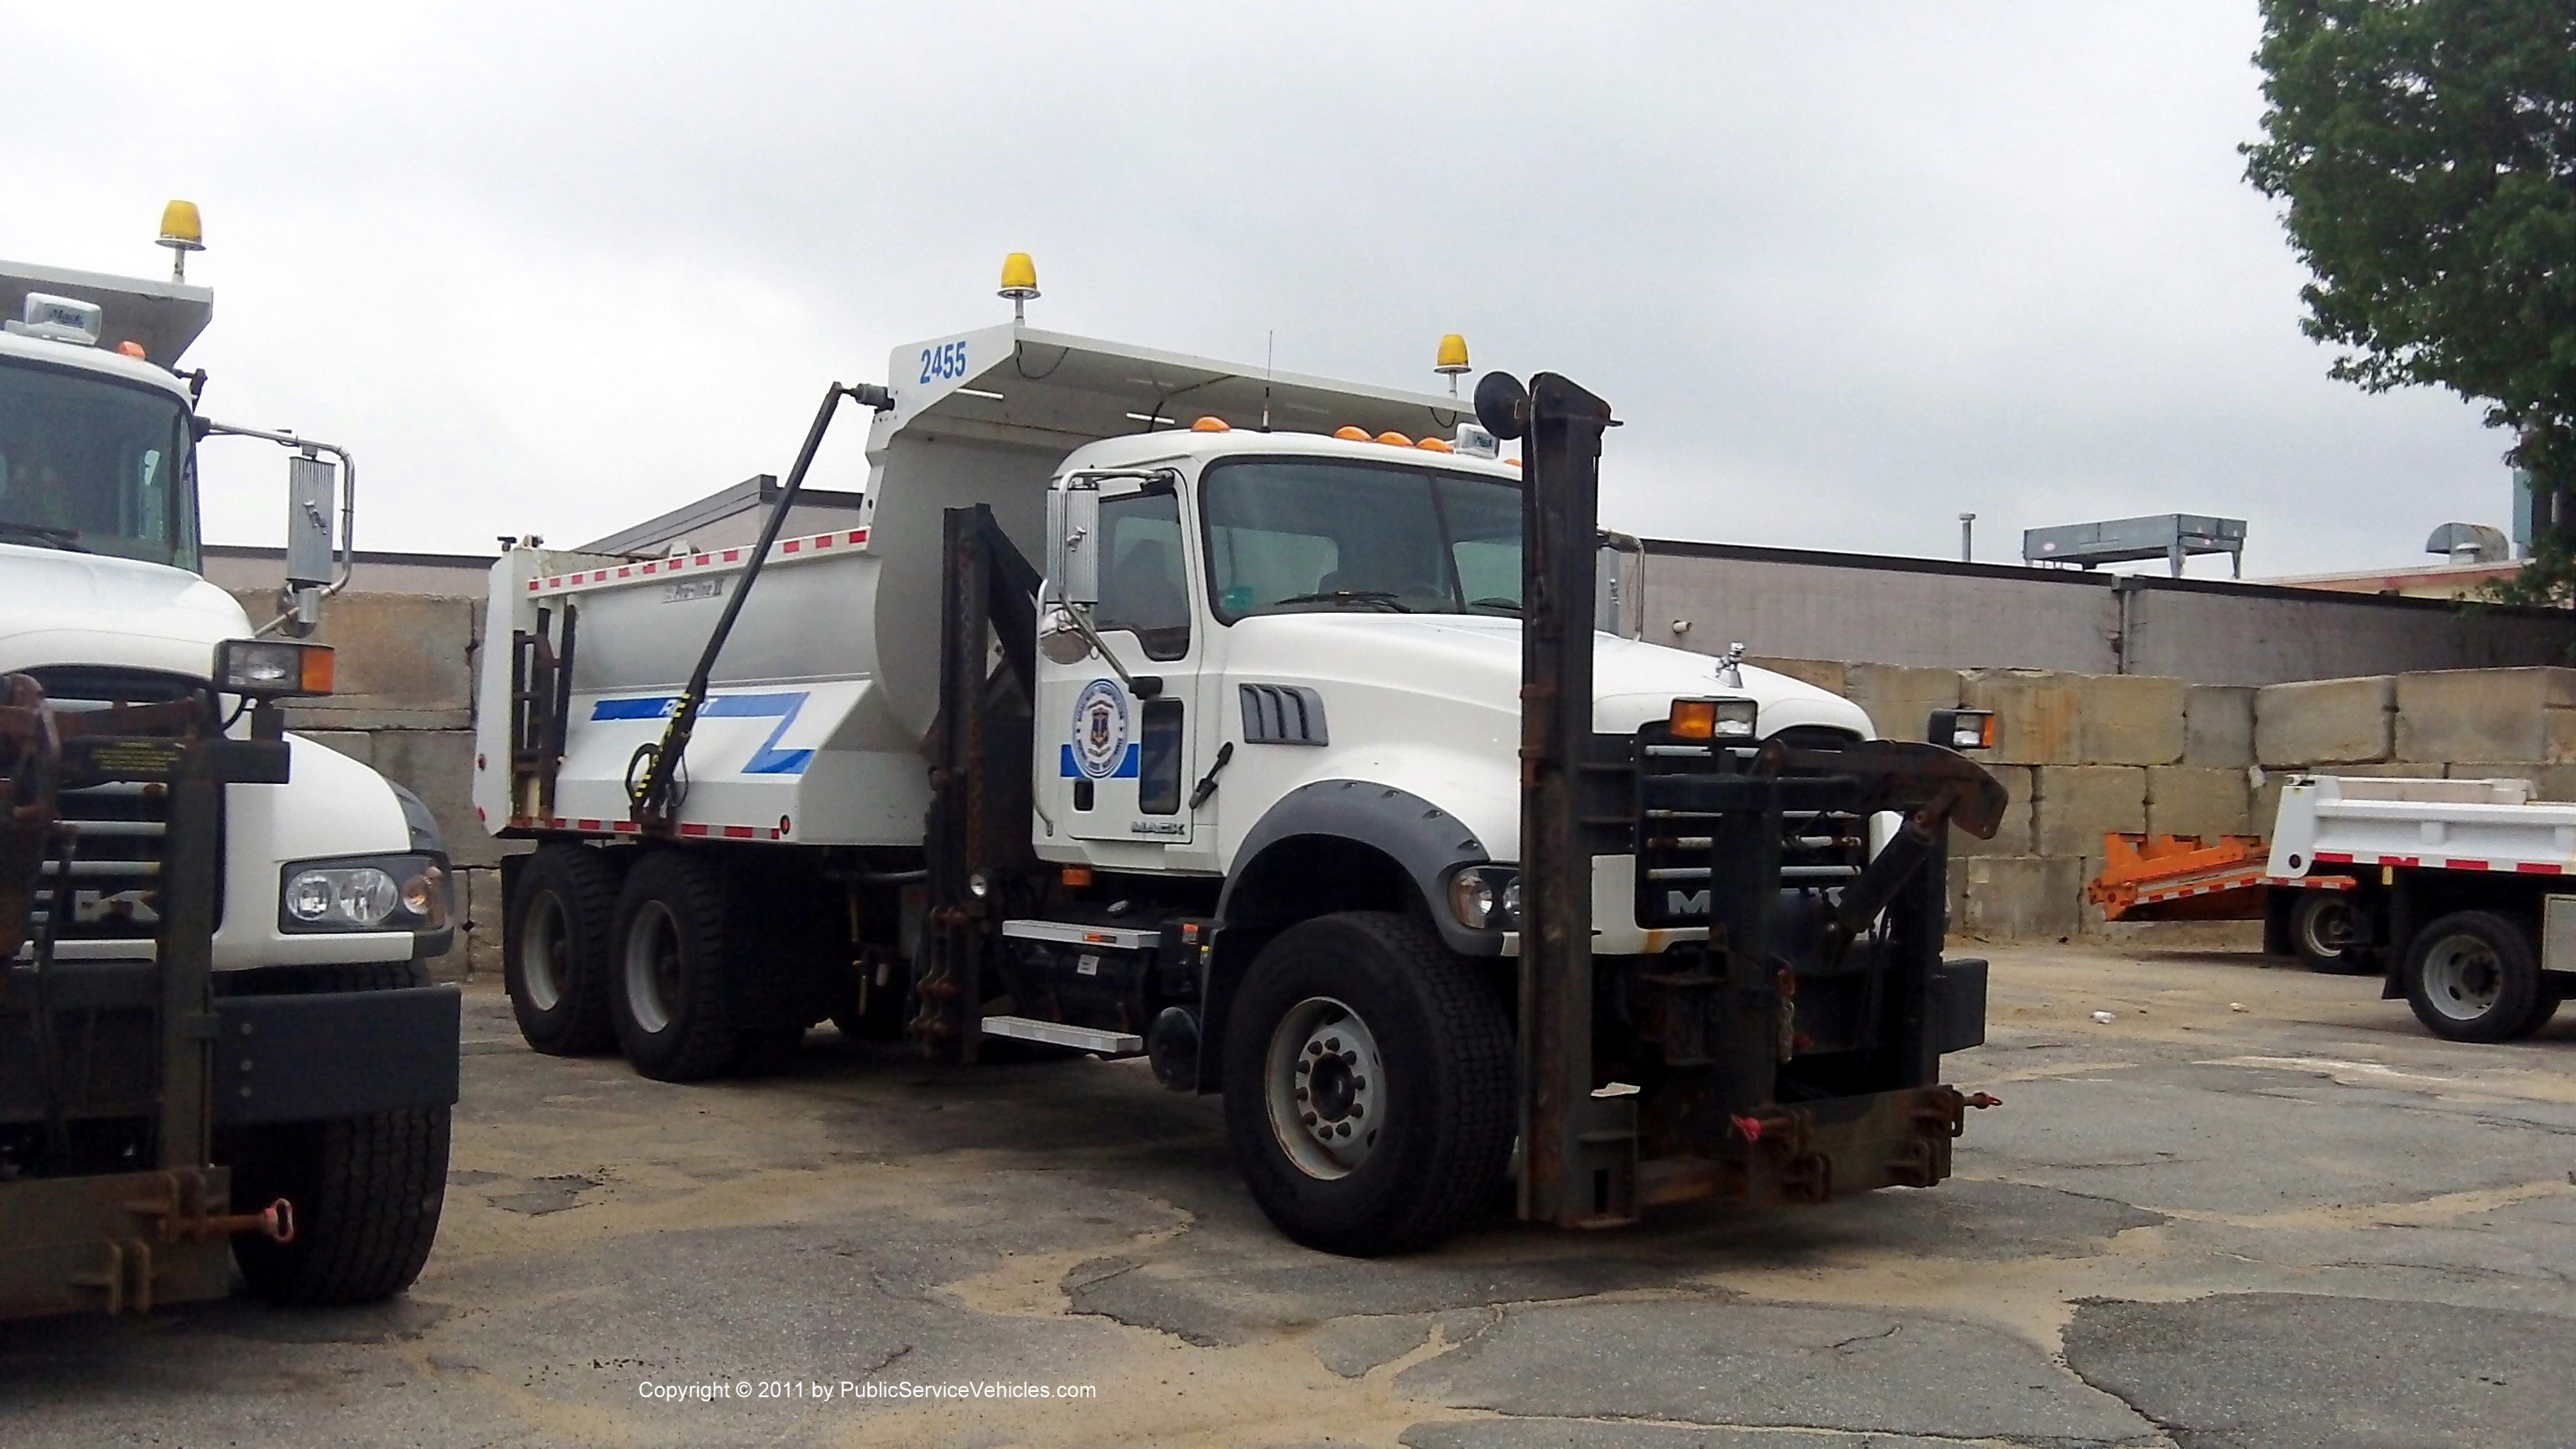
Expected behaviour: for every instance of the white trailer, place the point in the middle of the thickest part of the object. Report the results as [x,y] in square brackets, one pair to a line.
[2464,893]
[1156,706]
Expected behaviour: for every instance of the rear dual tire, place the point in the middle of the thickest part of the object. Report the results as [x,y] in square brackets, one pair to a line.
[2322,925]
[555,945]
[2475,976]
[681,936]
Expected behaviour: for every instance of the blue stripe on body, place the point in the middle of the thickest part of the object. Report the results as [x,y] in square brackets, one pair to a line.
[1068,767]
[767,760]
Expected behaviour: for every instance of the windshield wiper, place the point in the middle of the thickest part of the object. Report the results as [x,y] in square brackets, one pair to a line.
[1347,596]
[62,538]
[1497,602]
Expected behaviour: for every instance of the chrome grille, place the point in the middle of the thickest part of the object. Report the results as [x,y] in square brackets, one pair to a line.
[1819,849]
[113,885]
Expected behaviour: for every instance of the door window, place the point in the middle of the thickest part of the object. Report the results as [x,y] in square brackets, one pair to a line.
[1142,587]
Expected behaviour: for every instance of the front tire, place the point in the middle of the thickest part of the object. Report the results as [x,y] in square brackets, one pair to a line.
[366,1192]
[2473,976]
[1368,1084]
[676,938]
[555,947]
[2321,931]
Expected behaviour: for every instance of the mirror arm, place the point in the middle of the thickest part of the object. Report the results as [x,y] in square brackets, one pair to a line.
[1143,686]
[346,567]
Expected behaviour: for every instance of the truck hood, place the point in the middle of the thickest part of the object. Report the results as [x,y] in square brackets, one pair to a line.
[81,608]
[1474,661]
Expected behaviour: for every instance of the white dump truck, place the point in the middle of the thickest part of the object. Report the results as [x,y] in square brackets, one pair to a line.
[217,1041]
[2463,894]
[1158,707]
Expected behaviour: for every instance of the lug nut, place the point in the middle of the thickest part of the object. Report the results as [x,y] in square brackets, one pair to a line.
[1308,1119]
[1359,1109]
[1344,1129]
[1301,1094]
[1314,1049]
[1332,1043]
[1304,1066]
[1359,1084]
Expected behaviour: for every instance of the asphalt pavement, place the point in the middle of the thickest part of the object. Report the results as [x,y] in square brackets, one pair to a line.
[2259,1208]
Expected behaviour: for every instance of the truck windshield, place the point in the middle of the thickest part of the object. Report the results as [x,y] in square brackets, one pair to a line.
[1293,535]
[94,465]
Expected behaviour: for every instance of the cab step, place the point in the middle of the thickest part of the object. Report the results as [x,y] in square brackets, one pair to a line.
[1056,1033]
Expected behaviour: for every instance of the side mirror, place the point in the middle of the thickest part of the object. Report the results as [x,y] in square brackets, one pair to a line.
[311,484]
[1073,531]
[312,488]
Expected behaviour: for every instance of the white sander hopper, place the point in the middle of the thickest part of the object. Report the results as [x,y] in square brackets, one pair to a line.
[824,695]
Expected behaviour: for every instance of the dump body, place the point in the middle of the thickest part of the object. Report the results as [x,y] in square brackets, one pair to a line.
[2463,825]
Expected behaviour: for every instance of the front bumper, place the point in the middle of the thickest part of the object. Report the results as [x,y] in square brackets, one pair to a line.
[334,1054]
[306,1056]
[1817,1151]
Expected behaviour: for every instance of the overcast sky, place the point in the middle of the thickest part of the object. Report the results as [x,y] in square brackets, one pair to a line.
[1846,270]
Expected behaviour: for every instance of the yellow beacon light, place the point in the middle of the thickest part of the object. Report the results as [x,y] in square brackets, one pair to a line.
[1452,361]
[182,231]
[1019,283]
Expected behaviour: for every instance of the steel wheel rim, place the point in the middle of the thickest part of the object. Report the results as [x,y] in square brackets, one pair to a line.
[2462,977]
[544,945]
[652,967]
[2324,929]
[1324,1081]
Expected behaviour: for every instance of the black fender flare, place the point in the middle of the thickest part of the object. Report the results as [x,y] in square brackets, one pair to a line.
[1427,842]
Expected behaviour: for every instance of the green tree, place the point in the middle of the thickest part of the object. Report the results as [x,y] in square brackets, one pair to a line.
[2426,151]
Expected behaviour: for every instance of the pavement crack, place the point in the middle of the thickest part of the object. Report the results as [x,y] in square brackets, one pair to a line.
[2171,1432]
[1890,1331]
[881,1365]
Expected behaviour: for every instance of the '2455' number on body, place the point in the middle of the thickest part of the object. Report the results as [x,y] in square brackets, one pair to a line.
[948,360]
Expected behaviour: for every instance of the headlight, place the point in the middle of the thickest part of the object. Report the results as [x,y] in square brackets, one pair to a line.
[1486,898]
[373,893]
[273,668]
[1962,729]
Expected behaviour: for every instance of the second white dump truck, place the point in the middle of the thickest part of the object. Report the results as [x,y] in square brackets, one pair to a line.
[1154,707]
[2459,895]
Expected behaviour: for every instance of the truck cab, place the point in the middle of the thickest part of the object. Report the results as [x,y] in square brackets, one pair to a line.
[238,1002]
[1318,610]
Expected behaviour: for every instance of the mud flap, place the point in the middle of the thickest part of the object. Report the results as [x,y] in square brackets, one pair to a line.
[1959,1005]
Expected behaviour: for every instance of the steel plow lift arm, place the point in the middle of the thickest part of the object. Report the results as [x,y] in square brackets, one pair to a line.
[1745,1090]
[655,778]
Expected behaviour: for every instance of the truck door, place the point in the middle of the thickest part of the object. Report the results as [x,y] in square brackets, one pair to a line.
[1122,761]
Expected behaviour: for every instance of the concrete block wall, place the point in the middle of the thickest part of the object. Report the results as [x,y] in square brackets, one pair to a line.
[405,706]
[2081,755]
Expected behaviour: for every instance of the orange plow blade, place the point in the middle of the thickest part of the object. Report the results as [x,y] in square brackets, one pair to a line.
[2177,878]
